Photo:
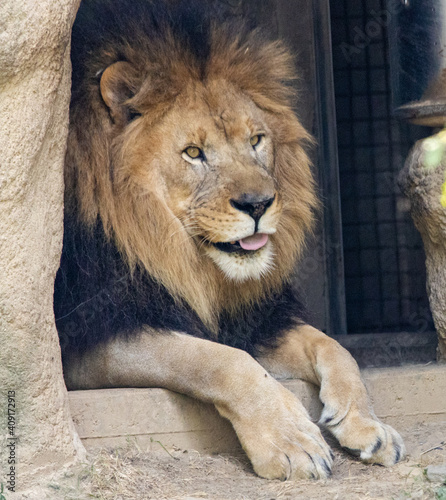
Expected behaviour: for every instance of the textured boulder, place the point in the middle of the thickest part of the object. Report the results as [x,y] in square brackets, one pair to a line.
[34,98]
[436,473]
[422,183]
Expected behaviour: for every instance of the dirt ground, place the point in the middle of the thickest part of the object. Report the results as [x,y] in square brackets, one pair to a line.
[134,474]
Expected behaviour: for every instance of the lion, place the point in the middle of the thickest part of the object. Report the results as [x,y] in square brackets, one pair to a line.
[188,198]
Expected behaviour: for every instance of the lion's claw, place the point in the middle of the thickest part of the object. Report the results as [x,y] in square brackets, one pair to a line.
[365,436]
[294,463]
[386,451]
[282,442]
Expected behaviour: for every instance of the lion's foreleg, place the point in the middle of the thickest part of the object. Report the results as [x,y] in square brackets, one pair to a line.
[272,425]
[311,355]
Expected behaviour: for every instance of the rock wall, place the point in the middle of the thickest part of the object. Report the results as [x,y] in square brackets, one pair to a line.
[422,183]
[34,97]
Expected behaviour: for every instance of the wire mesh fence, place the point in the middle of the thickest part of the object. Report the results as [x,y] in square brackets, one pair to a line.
[383,254]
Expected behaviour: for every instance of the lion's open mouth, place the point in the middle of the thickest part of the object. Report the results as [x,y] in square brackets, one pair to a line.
[249,244]
[243,259]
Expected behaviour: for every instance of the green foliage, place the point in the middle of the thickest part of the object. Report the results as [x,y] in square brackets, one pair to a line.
[440,494]
[434,149]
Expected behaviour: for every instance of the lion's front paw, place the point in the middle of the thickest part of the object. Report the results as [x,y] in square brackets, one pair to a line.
[282,442]
[365,436]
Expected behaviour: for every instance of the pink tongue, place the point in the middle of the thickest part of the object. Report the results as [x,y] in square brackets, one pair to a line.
[254,242]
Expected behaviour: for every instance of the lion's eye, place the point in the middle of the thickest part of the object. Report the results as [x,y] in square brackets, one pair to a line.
[255,140]
[194,152]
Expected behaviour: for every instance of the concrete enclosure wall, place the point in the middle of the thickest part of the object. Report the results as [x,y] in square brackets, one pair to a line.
[37,436]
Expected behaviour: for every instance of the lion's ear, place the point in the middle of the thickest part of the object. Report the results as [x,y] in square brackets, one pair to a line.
[119,83]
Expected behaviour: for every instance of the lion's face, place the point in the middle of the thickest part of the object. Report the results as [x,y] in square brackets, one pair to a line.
[212,156]
[195,167]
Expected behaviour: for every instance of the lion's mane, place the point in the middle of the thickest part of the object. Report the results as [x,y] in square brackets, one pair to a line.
[115,273]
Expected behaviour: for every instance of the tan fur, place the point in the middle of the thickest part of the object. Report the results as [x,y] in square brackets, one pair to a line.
[271,423]
[311,355]
[148,203]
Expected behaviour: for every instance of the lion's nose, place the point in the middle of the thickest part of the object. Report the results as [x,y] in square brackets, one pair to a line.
[253,204]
